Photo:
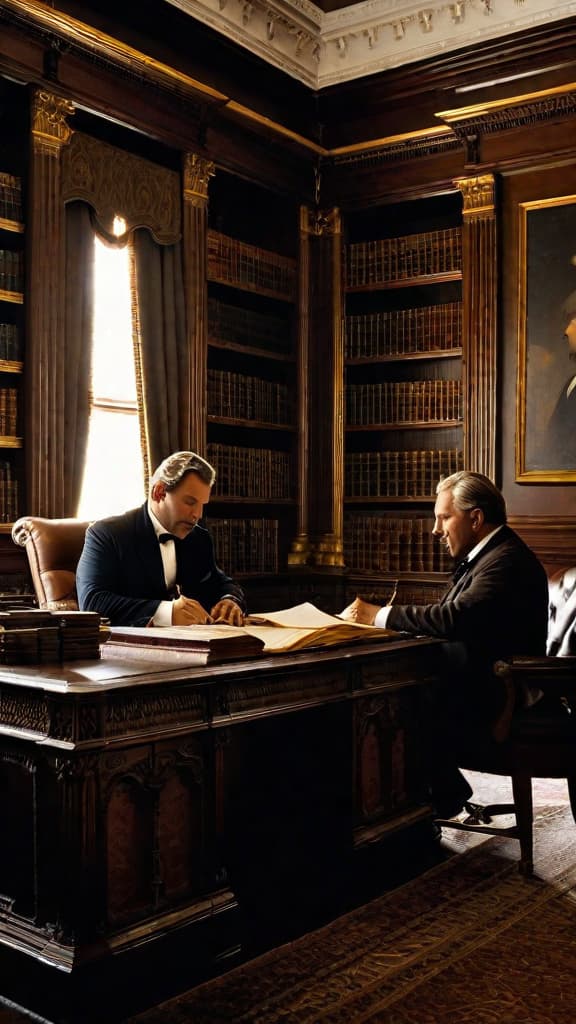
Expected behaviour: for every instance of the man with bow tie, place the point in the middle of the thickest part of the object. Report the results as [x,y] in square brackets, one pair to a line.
[155,564]
[495,606]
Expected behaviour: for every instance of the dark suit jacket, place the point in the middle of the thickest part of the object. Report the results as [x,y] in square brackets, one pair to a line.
[120,572]
[499,608]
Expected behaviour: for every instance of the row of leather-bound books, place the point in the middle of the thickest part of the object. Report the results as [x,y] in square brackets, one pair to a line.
[250,267]
[383,543]
[10,197]
[249,327]
[383,260]
[398,332]
[9,497]
[243,397]
[11,271]
[418,401]
[8,411]
[250,472]
[399,473]
[10,343]
[246,545]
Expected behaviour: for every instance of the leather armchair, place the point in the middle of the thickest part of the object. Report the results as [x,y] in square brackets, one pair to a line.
[53,547]
[529,744]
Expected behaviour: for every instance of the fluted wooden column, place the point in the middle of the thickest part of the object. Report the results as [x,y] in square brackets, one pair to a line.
[197,173]
[45,359]
[326,387]
[479,285]
[300,551]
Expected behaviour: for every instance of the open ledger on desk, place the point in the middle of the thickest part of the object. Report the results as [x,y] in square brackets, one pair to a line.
[292,629]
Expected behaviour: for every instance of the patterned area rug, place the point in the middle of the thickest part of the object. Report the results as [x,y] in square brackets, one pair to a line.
[468,942]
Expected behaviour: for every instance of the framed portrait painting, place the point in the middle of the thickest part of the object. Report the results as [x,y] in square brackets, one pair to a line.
[546,392]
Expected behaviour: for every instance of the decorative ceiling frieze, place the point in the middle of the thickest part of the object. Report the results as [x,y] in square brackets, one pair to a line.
[322,49]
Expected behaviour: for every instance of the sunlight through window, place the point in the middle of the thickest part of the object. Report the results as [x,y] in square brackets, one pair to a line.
[114,472]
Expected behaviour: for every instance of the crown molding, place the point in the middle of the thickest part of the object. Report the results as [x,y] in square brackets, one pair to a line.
[322,49]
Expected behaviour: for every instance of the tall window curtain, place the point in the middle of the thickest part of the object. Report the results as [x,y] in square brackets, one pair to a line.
[78,343]
[162,357]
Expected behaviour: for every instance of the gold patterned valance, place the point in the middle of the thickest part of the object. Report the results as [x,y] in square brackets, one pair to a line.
[113,181]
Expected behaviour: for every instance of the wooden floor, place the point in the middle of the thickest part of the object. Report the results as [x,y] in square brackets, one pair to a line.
[487,789]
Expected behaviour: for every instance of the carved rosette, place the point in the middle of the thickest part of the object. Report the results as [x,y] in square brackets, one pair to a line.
[197,172]
[50,130]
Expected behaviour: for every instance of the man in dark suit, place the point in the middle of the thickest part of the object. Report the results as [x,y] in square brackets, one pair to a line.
[155,565]
[495,606]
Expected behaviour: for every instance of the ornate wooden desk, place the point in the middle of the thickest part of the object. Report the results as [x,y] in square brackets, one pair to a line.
[135,801]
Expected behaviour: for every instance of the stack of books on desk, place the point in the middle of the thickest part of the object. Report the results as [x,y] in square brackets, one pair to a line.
[80,635]
[184,645]
[33,636]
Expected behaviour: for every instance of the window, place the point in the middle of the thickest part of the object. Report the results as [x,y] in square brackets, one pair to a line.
[114,470]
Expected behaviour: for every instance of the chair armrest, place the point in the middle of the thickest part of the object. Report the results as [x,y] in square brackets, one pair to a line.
[552,676]
[549,674]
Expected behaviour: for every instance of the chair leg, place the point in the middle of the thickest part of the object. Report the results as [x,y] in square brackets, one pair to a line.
[522,792]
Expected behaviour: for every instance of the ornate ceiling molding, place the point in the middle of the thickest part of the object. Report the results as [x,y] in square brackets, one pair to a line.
[322,49]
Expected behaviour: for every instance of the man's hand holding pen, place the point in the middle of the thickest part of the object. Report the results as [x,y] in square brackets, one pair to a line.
[188,612]
[228,612]
[360,611]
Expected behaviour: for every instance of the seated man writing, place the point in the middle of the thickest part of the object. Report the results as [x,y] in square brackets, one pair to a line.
[155,564]
[495,606]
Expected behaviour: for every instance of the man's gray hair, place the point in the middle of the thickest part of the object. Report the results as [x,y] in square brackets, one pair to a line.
[474,490]
[177,465]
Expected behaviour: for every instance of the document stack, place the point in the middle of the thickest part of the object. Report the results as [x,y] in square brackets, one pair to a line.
[32,636]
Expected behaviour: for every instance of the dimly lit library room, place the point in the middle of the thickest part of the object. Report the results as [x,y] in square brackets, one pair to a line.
[288,512]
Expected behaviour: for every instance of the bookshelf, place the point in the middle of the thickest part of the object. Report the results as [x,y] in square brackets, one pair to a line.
[403,390]
[11,342]
[251,405]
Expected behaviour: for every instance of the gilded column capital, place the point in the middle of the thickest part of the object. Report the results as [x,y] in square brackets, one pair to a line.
[314,221]
[197,172]
[478,194]
[50,130]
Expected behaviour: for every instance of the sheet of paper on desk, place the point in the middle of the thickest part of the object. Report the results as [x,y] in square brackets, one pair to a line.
[304,626]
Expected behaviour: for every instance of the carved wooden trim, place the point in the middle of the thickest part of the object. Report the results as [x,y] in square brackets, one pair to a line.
[299,553]
[399,148]
[514,112]
[479,288]
[326,383]
[46,443]
[114,181]
[197,172]
[50,130]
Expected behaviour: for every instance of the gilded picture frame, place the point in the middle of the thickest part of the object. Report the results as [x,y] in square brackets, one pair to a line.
[545,437]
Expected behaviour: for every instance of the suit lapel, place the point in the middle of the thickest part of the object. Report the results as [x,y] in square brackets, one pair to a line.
[148,548]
